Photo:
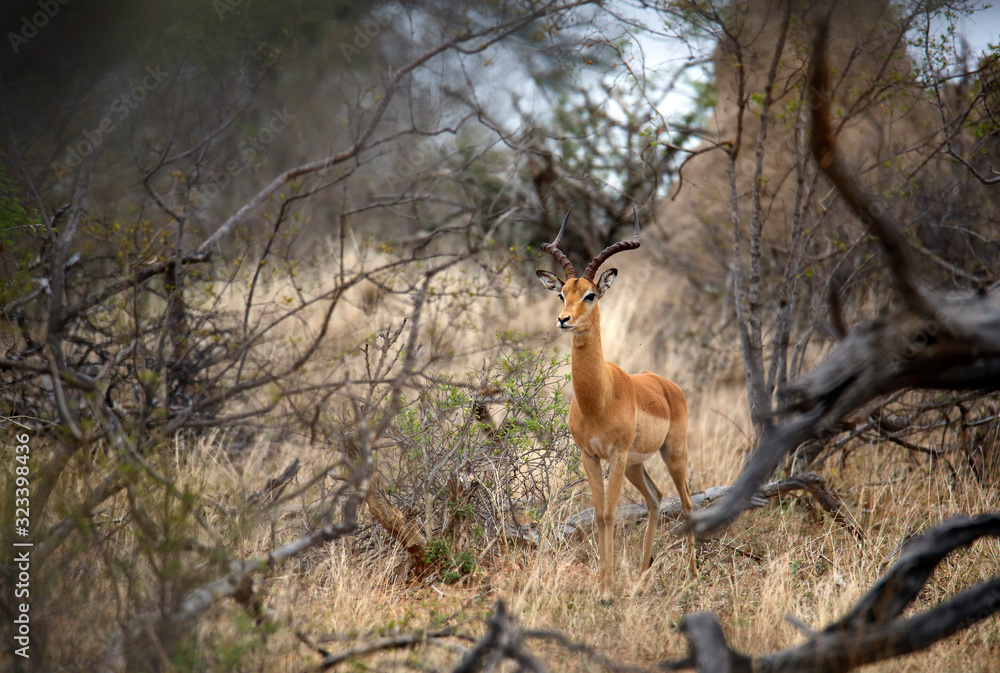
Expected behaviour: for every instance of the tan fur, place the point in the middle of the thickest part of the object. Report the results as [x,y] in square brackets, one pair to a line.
[622,419]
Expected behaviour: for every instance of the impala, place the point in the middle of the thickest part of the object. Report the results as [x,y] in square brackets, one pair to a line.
[616,417]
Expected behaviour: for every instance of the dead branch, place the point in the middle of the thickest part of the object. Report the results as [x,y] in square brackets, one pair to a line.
[403,641]
[584,649]
[871,631]
[405,531]
[826,497]
[934,340]
[275,486]
[503,640]
[230,584]
[901,585]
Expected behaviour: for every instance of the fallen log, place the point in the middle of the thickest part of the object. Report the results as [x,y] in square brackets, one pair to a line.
[581,524]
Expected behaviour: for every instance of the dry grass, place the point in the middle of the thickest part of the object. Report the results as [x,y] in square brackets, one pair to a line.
[786,559]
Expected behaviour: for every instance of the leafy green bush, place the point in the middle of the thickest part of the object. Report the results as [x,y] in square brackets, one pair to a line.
[472,453]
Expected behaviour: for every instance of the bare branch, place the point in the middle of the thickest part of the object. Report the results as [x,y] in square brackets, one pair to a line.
[491,33]
[503,640]
[402,641]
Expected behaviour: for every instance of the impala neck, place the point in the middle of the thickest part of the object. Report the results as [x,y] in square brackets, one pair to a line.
[591,378]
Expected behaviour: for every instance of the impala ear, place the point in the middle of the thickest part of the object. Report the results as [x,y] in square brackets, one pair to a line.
[607,278]
[550,280]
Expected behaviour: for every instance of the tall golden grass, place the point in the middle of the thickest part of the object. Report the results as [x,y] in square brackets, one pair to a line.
[786,559]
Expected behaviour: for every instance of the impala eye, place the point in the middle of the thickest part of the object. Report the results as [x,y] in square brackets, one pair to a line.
[590,297]
[561,297]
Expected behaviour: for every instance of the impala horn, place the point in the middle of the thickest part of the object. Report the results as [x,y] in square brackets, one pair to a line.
[612,249]
[553,249]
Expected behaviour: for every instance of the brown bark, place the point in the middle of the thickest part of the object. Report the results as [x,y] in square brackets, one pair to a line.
[403,530]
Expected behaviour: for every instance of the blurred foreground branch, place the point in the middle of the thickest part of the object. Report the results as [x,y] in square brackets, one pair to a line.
[120,647]
[872,630]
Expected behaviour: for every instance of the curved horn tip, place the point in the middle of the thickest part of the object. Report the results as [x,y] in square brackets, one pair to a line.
[553,249]
[562,229]
[635,214]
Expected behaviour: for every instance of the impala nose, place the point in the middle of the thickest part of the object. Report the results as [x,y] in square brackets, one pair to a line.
[563,322]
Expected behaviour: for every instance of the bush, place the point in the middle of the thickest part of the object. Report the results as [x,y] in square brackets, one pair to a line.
[462,473]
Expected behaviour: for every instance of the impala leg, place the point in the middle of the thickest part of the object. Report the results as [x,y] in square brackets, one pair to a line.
[616,480]
[674,454]
[592,467]
[639,478]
